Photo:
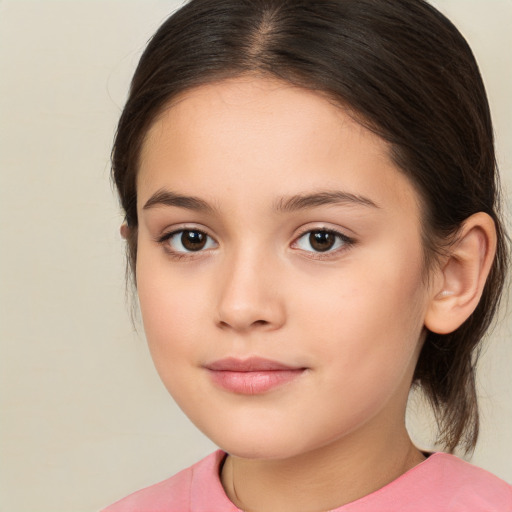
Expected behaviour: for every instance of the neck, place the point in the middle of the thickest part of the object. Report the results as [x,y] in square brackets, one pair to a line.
[322,479]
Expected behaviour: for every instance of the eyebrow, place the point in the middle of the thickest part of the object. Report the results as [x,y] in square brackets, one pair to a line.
[328,197]
[287,204]
[165,197]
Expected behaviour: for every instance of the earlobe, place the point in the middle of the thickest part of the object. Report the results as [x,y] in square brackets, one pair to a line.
[124,230]
[463,275]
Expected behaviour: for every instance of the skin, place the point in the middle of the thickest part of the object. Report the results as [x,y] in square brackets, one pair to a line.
[353,317]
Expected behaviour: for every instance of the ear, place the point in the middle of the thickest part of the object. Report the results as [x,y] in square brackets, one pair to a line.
[124,230]
[461,280]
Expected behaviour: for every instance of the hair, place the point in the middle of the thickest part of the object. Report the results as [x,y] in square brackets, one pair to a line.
[406,73]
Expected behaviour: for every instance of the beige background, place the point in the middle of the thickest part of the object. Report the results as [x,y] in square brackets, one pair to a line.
[84,419]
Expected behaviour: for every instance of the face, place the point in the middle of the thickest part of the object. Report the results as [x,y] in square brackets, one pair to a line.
[279,268]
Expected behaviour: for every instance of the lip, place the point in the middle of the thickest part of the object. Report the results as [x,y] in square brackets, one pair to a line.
[251,376]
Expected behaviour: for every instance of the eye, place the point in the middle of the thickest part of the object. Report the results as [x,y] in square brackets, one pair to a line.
[322,240]
[187,240]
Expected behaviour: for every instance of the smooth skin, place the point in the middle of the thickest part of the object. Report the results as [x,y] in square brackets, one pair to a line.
[222,161]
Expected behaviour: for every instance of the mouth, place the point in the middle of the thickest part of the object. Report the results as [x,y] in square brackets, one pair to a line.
[251,376]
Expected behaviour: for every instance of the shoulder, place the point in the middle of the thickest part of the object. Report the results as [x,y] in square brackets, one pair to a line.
[442,482]
[465,485]
[174,494]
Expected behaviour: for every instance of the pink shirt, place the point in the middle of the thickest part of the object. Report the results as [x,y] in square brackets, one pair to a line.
[442,483]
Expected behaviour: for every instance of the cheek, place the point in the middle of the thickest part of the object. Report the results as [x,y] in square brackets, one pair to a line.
[369,318]
[171,308]
[366,344]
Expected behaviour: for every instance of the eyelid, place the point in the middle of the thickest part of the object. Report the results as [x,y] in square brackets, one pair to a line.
[182,226]
[326,226]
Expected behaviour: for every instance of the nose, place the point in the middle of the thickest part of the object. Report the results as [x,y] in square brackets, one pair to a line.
[250,295]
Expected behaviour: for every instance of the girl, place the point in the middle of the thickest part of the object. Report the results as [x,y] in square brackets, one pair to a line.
[313,226]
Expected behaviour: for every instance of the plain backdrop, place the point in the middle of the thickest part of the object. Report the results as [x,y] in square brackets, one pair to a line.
[84,419]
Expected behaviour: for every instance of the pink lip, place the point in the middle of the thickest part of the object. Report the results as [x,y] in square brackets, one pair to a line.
[251,376]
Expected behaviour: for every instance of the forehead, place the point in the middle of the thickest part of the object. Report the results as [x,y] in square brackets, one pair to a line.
[256,131]
[258,105]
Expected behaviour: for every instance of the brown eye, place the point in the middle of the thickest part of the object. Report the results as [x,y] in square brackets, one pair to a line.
[187,240]
[193,240]
[322,240]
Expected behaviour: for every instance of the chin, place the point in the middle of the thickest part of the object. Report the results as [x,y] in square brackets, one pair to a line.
[263,445]
[261,451]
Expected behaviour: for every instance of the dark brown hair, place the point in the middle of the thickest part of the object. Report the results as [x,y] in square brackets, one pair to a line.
[406,73]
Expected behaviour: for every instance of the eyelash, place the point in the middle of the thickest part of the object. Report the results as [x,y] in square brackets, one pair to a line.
[347,243]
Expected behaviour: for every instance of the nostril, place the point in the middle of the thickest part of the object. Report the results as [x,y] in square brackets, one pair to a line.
[260,322]
[223,324]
